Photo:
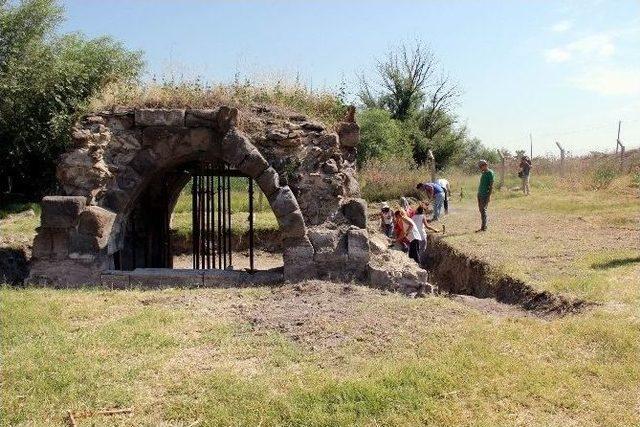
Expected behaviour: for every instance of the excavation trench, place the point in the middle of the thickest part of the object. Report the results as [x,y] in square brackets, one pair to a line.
[456,273]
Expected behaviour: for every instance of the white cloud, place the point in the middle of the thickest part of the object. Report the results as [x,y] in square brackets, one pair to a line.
[594,46]
[561,26]
[557,55]
[609,81]
[600,45]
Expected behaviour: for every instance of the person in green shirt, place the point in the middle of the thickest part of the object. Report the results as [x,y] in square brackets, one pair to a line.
[484,191]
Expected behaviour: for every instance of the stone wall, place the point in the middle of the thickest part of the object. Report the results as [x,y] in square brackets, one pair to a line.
[306,174]
[122,158]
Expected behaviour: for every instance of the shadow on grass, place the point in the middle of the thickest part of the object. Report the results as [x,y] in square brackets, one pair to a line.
[619,262]
[14,266]
[14,208]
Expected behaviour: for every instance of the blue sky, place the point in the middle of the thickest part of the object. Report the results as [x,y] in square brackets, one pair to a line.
[564,70]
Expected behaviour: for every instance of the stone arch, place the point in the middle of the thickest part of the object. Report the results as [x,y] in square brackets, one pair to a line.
[306,172]
[235,149]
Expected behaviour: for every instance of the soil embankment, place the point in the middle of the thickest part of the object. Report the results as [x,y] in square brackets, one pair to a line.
[457,273]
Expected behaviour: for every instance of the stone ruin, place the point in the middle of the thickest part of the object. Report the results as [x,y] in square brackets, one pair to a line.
[121,158]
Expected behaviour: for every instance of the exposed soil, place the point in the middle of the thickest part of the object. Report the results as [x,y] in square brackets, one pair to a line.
[262,260]
[458,273]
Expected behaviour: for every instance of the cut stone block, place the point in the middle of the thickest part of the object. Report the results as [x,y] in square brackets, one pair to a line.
[254,164]
[298,261]
[201,118]
[283,202]
[349,134]
[61,211]
[292,225]
[355,211]
[96,221]
[80,244]
[164,277]
[225,278]
[358,246]
[268,181]
[235,147]
[159,117]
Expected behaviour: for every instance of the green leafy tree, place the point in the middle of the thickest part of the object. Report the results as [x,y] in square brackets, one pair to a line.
[413,89]
[45,82]
[381,137]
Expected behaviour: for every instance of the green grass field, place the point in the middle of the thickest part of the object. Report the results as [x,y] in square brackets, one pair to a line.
[323,354]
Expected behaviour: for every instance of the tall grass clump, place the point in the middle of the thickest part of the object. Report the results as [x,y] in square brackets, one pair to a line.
[390,179]
[324,106]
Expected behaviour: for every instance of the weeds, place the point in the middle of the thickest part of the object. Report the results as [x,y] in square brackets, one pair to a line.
[323,106]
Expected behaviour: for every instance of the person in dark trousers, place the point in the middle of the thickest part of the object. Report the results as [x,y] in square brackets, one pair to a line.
[484,192]
[412,234]
[525,170]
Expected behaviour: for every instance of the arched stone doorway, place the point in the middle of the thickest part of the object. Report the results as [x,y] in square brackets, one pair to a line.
[306,172]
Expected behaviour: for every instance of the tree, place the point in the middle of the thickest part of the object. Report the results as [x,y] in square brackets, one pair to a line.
[45,82]
[414,90]
[409,80]
[381,137]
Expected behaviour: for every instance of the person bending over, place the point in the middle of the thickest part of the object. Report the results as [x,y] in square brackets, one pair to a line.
[435,193]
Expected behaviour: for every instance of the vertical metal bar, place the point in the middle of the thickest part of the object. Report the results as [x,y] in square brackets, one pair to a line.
[212,232]
[196,219]
[194,225]
[207,218]
[229,216]
[220,246]
[251,266]
[202,212]
[224,222]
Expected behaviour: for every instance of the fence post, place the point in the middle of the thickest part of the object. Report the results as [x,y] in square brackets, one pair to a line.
[619,144]
[502,169]
[562,154]
[432,165]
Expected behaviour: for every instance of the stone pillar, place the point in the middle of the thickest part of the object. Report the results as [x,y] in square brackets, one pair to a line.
[71,245]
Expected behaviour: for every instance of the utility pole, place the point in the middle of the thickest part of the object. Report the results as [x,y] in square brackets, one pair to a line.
[562,154]
[620,146]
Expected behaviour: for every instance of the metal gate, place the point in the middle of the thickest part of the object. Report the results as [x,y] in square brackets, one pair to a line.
[211,215]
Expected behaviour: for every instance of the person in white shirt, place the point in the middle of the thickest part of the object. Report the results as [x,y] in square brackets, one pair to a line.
[412,234]
[420,220]
[444,183]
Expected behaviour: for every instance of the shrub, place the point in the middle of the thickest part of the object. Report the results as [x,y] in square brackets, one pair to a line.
[602,176]
[381,137]
[45,82]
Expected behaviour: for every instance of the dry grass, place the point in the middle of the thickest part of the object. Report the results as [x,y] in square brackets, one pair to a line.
[319,354]
[322,106]
[395,178]
[330,354]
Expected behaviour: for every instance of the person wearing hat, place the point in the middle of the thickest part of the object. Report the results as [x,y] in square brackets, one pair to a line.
[386,220]
[484,191]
